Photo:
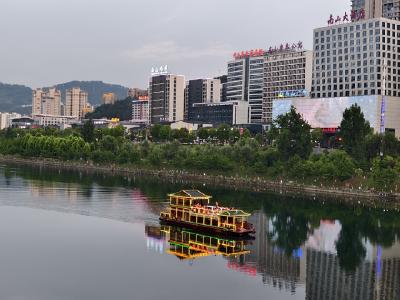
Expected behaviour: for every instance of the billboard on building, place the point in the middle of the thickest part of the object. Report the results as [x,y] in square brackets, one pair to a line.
[328,112]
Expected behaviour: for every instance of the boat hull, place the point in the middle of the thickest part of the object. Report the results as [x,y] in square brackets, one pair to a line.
[208,229]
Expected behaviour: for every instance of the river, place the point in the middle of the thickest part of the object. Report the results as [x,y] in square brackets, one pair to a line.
[71,235]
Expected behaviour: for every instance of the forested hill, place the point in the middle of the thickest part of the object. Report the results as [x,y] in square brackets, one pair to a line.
[18,98]
[95,89]
[120,109]
[15,98]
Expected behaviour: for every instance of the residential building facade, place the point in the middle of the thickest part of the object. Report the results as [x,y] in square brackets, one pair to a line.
[6,118]
[287,73]
[140,111]
[46,101]
[76,103]
[167,98]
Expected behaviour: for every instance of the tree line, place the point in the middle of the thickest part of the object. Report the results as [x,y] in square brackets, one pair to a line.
[284,153]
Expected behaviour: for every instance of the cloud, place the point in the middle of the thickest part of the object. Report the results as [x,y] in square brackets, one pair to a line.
[171,51]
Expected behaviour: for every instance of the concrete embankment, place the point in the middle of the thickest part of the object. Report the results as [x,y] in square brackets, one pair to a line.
[257,184]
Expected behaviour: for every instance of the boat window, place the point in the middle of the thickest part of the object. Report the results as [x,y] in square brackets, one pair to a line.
[215,222]
[193,219]
[180,201]
[173,201]
[230,220]
[200,220]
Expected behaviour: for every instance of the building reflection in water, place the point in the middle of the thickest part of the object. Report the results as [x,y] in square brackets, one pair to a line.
[314,265]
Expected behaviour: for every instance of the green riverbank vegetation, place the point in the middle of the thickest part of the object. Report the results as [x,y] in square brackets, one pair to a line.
[289,151]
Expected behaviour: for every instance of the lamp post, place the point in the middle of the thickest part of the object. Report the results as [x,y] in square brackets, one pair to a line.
[383,109]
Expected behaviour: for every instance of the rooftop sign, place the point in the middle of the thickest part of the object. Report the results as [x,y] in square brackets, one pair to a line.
[285,47]
[354,16]
[163,70]
[251,53]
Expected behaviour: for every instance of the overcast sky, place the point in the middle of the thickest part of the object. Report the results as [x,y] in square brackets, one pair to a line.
[45,42]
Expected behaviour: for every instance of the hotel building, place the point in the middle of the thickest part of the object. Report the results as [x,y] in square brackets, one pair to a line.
[350,59]
[287,73]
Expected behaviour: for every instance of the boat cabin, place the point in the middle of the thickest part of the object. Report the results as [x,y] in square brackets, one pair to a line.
[189,198]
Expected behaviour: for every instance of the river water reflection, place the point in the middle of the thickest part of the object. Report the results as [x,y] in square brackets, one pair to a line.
[68,235]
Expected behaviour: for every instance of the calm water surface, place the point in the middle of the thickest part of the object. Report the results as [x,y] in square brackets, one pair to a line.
[79,236]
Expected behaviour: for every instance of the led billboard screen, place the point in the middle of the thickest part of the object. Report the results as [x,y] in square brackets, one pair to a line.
[328,112]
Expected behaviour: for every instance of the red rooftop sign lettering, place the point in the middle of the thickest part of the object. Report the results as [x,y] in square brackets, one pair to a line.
[251,53]
[354,16]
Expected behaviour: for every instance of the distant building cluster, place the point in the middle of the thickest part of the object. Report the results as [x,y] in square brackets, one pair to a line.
[354,60]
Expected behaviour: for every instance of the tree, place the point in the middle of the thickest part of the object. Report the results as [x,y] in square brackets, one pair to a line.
[294,136]
[202,133]
[317,136]
[384,174]
[87,131]
[354,130]
[155,131]
[223,133]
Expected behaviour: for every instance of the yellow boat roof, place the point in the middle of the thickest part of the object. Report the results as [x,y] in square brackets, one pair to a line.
[190,194]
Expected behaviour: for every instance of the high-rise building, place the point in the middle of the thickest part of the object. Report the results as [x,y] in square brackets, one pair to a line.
[245,81]
[201,91]
[378,8]
[140,111]
[76,102]
[287,73]
[352,59]
[108,98]
[47,102]
[166,95]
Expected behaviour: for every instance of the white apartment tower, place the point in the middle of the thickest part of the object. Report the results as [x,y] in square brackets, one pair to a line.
[167,98]
[46,102]
[350,58]
[76,102]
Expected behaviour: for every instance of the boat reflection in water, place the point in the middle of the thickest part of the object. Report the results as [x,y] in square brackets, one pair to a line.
[188,244]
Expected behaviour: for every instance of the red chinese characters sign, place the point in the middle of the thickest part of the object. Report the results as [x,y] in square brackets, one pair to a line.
[271,50]
[251,53]
[354,16]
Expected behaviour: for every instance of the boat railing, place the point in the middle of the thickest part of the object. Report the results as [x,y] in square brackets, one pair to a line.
[229,226]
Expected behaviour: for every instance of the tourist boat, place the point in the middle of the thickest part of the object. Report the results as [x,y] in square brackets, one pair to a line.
[192,209]
[188,244]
